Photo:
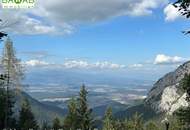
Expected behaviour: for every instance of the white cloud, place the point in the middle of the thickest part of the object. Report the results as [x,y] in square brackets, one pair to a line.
[136,66]
[164,59]
[55,99]
[75,64]
[106,64]
[95,10]
[171,13]
[34,63]
[61,16]
[20,23]
[87,65]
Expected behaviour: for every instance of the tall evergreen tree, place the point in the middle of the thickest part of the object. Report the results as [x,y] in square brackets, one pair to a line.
[6,104]
[26,118]
[12,66]
[56,124]
[119,125]
[175,124]
[151,126]
[136,122]
[108,123]
[85,121]
[2,107]
[45,126]
[12,70]
[71,120]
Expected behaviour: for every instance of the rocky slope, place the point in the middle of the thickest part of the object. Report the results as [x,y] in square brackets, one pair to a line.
[166,95]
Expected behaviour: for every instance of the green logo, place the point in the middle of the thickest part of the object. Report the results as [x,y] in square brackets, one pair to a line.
[17,1]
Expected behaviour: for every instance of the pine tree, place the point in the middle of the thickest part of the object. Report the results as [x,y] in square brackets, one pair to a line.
[85,121]
[175,124]
[71,120]
[13,74]
[56,124]
[119,125]
[2,107]
[12,66]
[127,125]
[6,105]
[108,123]
[45,126]
[136,122]
[26,118]
[151,126]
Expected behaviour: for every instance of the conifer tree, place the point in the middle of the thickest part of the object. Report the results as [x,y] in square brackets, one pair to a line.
[71,120]
[26,118]
[2,107]
[45,126]
[127,124]
[108,123]
[56,124]
[136,122]
[175,124]
[119,125]
[12,71]
[6,104]
[151,126]
[85,121]
[12,66]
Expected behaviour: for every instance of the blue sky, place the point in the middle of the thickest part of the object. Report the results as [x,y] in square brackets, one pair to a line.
[136,41]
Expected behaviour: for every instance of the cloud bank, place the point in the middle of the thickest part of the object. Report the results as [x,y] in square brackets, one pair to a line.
[62,16]
[75,64]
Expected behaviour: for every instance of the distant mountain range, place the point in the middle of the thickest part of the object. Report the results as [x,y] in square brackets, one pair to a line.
[76,78]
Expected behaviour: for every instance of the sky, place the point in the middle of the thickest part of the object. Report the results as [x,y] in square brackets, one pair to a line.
[137,37]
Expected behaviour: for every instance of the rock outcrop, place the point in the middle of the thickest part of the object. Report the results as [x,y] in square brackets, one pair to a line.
[166,96]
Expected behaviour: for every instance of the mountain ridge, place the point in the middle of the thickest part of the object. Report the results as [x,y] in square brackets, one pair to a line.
[39,109]
[167,96]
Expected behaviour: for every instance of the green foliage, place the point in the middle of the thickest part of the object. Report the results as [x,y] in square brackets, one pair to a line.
[136,122]
[108,123]
[183,114]
[119,125]
[10,80]
[151,126]
[6,105]
[45,126]
[84,113]
[56,124]
[2,107]
[26,118]
[71,120]
[175,124]
[185,84]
